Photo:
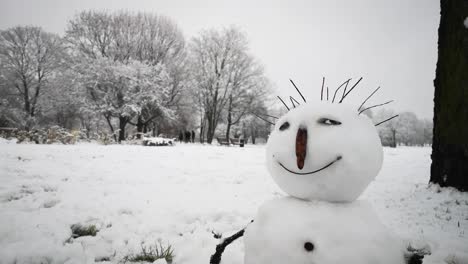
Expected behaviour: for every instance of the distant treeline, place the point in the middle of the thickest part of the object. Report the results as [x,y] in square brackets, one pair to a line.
[127,74]
[407,129]
[120,75]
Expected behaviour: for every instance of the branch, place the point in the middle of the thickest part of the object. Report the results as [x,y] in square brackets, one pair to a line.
[297,89]
[216,257]
[375,106]
[283,103]
[346,93]
[388,119]
[368,98]
[271,123]
[346,82]
[321,91]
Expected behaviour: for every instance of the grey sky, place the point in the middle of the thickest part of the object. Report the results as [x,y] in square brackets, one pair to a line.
[390,43]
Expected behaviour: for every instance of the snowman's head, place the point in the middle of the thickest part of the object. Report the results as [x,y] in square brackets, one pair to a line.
[324,151]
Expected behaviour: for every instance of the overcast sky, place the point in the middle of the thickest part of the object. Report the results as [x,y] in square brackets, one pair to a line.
[391,43]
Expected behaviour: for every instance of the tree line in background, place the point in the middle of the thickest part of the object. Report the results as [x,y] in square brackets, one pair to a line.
[121,75]
[406,130]
[128,74]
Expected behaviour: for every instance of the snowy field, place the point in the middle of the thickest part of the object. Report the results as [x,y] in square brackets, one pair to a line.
[180,195]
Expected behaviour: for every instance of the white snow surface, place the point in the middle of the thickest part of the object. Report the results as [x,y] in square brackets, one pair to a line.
[180,194]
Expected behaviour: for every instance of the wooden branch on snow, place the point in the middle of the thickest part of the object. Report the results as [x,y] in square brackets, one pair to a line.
[216,257]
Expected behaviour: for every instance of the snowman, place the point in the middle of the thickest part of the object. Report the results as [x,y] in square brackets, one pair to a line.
[323,155]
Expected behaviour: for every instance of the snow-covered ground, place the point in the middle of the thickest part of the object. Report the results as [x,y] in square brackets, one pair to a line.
[180,194]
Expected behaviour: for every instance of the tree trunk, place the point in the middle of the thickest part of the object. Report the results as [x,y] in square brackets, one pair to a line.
[450,142]
[253,134]
[229,118]
[210,130]
[202,129]
[122,124]
[393,138]
[228,127]
[27,105]
[155,129]
[139,126]
[108,119]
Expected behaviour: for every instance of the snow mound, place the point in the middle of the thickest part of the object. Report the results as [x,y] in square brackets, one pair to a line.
[7,141]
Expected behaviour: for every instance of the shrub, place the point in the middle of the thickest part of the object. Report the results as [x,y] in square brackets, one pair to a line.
[79,230]
[151,254]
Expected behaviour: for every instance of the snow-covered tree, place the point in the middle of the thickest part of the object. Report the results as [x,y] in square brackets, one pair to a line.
[407,129]
[30,57]
[388,130]
[124,37]
[121,90]
[61,102]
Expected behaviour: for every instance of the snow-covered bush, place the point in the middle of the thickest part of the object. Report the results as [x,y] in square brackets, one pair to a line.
[57,134]
[105,138]
[54,134]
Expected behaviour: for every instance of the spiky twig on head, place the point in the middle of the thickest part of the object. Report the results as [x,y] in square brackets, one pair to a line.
[346,93]
[275,117]
[388,119]
[368,98]
[294,101]
[346,82]
[271,123]
[283,103]
[321,92]
[297,89]
[370,107]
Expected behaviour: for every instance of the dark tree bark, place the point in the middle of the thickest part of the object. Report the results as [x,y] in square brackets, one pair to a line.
[450,143]
[140,126]
[202,129]
[229,124]
[122,124]
[108,119]
[253,133]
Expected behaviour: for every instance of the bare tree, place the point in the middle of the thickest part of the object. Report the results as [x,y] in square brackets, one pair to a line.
[29,57]
[224,77]
[248,87]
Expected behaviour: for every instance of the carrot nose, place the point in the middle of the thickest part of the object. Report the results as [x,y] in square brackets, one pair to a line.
[301,147]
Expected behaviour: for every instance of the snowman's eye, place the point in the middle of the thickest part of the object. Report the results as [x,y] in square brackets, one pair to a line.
[284,126]
[329,122]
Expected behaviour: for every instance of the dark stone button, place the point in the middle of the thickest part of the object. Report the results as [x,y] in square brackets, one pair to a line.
[308,246]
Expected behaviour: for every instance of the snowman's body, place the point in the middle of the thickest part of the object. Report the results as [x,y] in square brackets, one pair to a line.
[324,156]
[347,233]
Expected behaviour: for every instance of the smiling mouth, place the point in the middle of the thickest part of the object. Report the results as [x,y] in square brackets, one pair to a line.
[312,172]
